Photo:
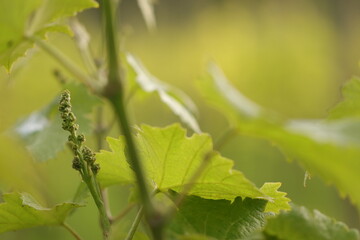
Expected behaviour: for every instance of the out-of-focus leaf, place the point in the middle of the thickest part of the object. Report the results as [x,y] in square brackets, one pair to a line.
[327,148]
[19,211]
[52,10]
[350,106]
[218,219]
[279,201]
[41,131]
[222,86]
[170,159]
[21,19]
[301,223]
[178,102]
[13,23]
[147,10]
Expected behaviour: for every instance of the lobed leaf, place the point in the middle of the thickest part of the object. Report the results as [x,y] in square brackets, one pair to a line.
[41,131]
[177,101]
[301,223]
[200,218]
[19,211]
[327,148]
[279,201]
[170,159]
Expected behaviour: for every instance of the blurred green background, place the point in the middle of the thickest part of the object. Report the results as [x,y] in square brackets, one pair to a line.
[289,56]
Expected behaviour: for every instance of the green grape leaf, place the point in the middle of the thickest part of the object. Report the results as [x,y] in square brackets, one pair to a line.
[170,159]
[350,106]
[114,169]
[41,131]
[327,148]
[177,101]
[19,211]
[13,24]
[278,201]
[52,10]
[218,219]
[35,19]
[301,223]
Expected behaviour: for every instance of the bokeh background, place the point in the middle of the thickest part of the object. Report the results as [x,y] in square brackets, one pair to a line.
[289,56]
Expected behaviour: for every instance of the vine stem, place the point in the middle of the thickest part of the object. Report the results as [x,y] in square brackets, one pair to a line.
[135,224]
[65,62]
[71,231]
[123,213]
[114,93]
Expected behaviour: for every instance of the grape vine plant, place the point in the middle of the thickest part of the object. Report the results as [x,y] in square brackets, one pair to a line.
[180,185]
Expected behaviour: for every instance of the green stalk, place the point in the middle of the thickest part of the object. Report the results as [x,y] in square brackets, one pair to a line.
[90,180]
[65,62]
[114,93]
[71,231]
[105,223]
[135,224]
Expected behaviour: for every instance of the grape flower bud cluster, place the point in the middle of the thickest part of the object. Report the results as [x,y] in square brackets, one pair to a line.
[84,159]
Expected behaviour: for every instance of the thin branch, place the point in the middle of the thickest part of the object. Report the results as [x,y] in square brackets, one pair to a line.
[71,231]
[65,62]
[123,213]
[135,224]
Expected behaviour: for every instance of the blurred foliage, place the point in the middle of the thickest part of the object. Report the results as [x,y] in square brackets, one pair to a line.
[291,57]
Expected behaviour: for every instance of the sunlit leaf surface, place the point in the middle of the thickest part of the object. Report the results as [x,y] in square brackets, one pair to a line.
[170,159]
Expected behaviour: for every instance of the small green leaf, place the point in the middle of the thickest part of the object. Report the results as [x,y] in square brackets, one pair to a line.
[170,159]
[327,148]
[178,102]
[41,131]
[20,211]
[218,219]
[52,10]
[13,23]
[22,19]
[114,169]
[300,223]
[350,106]
[278,201]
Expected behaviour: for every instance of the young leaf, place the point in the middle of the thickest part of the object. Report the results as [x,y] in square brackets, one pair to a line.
[176,100]
[13,24]
[350,106]
[114,169]
[35,19]
[41,131]
[218,219]
[170,159]
[329,149]
[300,223]
[19,211]
[278,201]
[52,10]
